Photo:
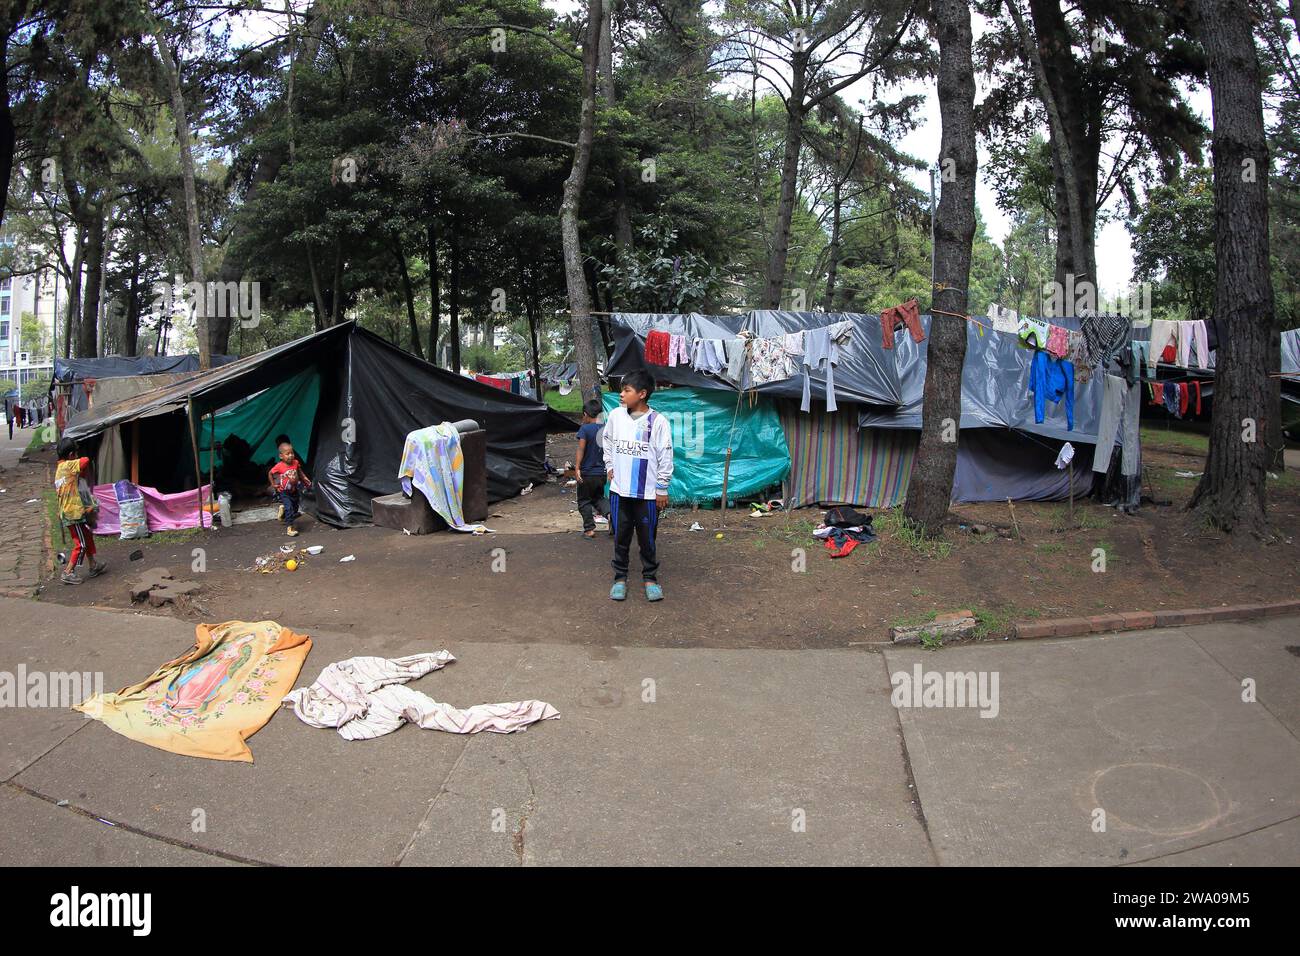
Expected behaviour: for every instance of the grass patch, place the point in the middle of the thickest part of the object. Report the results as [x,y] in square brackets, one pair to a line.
[995,622]
[38,441]
[1051,547]
[893,523]
[915,618]
[1177,440]
[1084,517]
[785,528]
[570,404]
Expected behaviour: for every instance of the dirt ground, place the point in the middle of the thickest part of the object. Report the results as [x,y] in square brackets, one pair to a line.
[734,586]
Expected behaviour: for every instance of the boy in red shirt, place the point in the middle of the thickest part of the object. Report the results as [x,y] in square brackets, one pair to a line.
[288,478]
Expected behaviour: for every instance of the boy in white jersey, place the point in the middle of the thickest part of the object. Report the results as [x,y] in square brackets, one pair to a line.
[639,462]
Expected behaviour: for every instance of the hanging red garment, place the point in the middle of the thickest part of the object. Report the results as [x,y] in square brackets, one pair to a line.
[1170,355]
[501,383]
[656,347]
[908,314]
[1197,386]
[1183,398]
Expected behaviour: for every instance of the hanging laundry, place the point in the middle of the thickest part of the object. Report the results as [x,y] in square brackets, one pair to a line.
[1164,335]
[1077,353]
[737,359]
[208,702]
[1183,399]
[1171,398]
[1142,354]
[1058,341]
[363,698]
[1003,320]
[1106,335]
[772,361]
[1193,345]
[494,381]
[1033,333]
[821,350]
[1051,378]
[908,314]
[1119,419]
[708,356]
[656,347]
[679,352]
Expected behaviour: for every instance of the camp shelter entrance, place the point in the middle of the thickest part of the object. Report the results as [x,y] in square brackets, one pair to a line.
[345,398]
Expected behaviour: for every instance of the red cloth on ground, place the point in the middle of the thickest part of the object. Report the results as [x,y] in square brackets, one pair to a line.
[656,347]
[909,314]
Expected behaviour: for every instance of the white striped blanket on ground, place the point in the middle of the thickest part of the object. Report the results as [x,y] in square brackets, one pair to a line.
[364,697]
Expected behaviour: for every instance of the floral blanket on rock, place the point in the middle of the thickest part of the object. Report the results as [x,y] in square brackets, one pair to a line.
[210,701]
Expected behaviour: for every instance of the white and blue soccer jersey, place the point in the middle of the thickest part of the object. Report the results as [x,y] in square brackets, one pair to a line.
[639,451]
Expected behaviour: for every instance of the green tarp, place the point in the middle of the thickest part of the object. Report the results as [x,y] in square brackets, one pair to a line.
[288,408]
[701,424]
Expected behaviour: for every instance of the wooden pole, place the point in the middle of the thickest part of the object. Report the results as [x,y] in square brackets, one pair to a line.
[135,452]
[212,457]
[194,444]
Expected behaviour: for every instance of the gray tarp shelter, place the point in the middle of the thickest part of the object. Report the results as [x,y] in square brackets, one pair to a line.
[994,388]
[866,372]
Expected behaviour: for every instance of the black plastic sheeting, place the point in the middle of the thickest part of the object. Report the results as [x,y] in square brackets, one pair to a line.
[388,393]
[374,394]
[865,372]
[122,366]
[994,388]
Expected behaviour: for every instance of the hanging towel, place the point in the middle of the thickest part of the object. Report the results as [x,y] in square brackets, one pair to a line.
[656,347]
[1163,334]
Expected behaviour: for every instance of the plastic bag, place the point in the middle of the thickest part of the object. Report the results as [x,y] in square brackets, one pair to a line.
[131,513]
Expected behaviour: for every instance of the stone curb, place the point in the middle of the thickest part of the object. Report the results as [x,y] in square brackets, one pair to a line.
[1145,620]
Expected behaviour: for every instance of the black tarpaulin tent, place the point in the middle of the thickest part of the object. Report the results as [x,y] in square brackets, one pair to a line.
[371,395]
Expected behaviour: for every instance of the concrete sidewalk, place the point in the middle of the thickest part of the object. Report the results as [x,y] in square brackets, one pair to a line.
[687,756]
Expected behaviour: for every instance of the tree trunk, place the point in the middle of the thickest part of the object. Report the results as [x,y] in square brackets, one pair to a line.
[930,492]
[1231,493]
[74,288]
[534,334]
[789,183]
[435,307]
[195,241]
[131,334]
[832,267]
[335,290]
[410,300]
[574,279]
[1056,83]
[87,337]
[453,305]
[8,136]
[318,297]
[622,218]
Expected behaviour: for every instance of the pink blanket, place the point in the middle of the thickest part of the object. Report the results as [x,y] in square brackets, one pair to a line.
[163,512]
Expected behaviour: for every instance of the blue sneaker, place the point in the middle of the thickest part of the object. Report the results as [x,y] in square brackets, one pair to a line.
[653,592]
[619,591]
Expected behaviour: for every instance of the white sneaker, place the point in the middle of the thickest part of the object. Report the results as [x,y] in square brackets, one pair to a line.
[600,519]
